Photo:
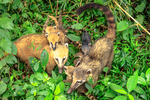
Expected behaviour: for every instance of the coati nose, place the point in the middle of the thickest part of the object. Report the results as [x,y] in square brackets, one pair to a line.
[54,48]
[60,70]
[70,90]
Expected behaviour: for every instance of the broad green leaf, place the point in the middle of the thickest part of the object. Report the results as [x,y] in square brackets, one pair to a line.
[3,87]
[54,75]
[132,83]
[19,73]
[73,37]
[6,23]
[40,97]
[61,97]
[39,76]
[44,92]
[10,59]
[13,49]
[140,7]
[122,26]
[5,33]
[5,45]
[44,58]
[139,90]
[71,50]
[59,88]
[141,80]
[99,1]
[24,15]
[33,91]
[49,97]
[130,97]
[121,91]
[36,66]
[2,63]
[115,87]
[88,86]
[6,1]
[30,98]
[136,73]
[90,80]
[51,86]
[32,62]
[140,19]
[17,4]
[120,98]
[105,69]
[148,74]
[77,26]
[110,93]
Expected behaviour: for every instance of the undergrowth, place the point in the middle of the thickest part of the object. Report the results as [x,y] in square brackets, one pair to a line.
[130,74]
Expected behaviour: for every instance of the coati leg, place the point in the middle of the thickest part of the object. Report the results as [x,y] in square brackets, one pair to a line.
[110,62]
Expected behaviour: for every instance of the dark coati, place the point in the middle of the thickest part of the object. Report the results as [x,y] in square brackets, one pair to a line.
[55,34]
[34,44]
[99,55]
[86,42]
[81,89]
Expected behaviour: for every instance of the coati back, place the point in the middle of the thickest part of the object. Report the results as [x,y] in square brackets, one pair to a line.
[81,89]
[55,34]
[99,55]
[34,44]
[86,42]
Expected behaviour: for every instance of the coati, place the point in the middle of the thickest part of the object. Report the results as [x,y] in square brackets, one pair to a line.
[55,34]
[86,42]
[34,44]
[99,55]
[81,89]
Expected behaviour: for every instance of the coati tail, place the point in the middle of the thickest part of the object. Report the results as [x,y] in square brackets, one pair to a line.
[45,25]
[110,18]
[91,97]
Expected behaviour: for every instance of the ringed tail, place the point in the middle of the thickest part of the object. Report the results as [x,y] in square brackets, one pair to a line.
[45,25]
[110,18]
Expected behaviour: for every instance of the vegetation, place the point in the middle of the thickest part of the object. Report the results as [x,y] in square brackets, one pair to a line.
[130,74]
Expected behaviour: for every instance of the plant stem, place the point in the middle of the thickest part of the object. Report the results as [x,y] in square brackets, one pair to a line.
[131,17]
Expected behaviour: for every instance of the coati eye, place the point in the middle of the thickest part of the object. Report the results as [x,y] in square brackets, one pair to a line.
[57,60]
[63,59]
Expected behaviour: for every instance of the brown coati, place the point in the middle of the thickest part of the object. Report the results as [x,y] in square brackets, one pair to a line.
[81,89]
[34,44]
[77,60]
[99,55]
[86,42]
[55,34]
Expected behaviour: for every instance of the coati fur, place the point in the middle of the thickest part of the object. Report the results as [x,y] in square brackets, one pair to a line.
[55,34]
[99,55]
[34,44]
[86,42]
[77,60]
[81,89]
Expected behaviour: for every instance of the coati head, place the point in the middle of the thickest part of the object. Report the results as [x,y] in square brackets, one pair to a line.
[53,35]
[69,71]
[60,56]
[79,77]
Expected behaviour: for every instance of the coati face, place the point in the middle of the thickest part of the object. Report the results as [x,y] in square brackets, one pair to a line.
[79,77]
[60,56]
[53,34]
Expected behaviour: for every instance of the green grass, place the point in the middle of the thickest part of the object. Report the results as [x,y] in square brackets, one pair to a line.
[129,77]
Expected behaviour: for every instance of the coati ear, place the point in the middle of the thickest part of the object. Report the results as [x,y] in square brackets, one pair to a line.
[58,33]
[46,34]
[89,71]
[55,27]
[66,44]
[89,44]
